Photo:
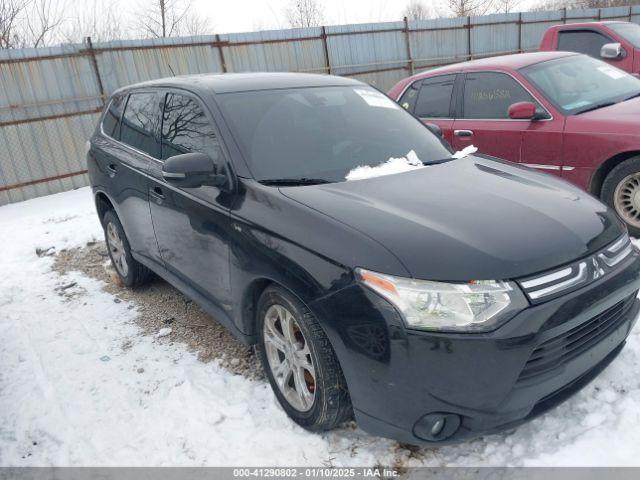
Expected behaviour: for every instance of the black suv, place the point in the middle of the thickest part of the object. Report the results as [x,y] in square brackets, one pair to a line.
[460,296]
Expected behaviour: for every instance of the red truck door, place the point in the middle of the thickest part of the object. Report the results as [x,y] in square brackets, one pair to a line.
[590,41]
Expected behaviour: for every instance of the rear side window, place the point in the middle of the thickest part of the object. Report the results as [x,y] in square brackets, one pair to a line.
[111,120]
[488,95]
[434,98]
[140,123]
[582,41]
[430,97]
[186,128]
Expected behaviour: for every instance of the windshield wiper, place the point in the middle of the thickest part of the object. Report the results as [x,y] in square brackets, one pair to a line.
[595,107]
[293,182]
[436,162]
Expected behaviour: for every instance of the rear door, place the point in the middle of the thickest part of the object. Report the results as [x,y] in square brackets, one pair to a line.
[130,144]
[192,225]
[483,119]
[431,99]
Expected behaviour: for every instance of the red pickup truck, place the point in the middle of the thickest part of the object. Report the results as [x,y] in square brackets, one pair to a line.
[617,43]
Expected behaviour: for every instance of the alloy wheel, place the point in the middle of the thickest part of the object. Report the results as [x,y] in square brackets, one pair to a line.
[116,248]
[626,199]
[289,358]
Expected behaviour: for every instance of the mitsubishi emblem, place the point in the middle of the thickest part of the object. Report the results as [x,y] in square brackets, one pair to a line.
[598,271]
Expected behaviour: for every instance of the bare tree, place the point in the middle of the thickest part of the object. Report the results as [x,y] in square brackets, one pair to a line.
[506,6]
[11,12]
[418,10]
[168,18]
[304,13]
[97,20]
[465,8]
[44,21]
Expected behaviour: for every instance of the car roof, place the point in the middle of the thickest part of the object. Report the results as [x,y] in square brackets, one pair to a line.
[513,62]
[244,82]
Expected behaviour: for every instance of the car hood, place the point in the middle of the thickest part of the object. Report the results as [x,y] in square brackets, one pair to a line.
[621,118]
[469,219]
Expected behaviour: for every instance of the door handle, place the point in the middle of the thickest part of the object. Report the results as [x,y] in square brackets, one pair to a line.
[463,133]
[156,192]
[112,168]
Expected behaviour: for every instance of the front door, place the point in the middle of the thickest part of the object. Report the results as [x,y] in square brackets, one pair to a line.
[192,224]
[484,120]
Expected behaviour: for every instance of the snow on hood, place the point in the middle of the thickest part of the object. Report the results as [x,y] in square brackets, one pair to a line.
[399,165]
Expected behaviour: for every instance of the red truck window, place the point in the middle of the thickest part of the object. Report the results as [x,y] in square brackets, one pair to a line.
[588,42]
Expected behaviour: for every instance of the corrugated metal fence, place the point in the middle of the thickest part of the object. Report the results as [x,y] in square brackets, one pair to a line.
[50,98]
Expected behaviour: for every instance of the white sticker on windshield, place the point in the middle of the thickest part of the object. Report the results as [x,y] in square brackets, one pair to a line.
[612,72]
[376,99]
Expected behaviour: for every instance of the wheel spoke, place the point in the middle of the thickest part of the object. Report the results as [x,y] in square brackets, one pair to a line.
[289,357]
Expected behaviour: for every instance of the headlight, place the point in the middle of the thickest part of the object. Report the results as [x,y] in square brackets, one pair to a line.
[475,306]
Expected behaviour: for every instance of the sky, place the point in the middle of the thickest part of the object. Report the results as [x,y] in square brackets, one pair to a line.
[229,16]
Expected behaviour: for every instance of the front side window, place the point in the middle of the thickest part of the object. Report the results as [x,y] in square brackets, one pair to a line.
[488,95]
[582,41]
[323,132]
[111,120]
[186,129]
[140,122]
[629,31]
[578,83]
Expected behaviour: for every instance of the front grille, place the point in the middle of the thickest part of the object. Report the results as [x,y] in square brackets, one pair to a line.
[558,350]
[578,274]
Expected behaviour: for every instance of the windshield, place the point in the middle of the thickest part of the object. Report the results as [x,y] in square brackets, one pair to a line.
[323,133]
[629,31]
[579,83]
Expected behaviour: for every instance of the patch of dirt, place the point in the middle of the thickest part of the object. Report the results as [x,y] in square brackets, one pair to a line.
[163,311]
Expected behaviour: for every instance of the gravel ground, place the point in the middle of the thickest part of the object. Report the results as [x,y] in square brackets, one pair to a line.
[161,307]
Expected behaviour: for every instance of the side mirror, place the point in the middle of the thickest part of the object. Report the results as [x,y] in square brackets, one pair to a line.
[523,111]
[435,129]
[612,51]
[192,170]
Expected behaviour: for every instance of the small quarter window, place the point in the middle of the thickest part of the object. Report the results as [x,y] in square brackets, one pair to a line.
[111,120]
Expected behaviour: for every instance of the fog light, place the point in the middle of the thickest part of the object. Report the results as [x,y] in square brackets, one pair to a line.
[436,427]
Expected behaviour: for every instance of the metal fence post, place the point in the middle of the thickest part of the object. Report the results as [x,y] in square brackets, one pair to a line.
[564,15]
[408,41]
[223,64]
[520,32]
[325,45]
[469,52]
[96,70]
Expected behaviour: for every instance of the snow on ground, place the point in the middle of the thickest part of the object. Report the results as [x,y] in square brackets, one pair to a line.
[80,384]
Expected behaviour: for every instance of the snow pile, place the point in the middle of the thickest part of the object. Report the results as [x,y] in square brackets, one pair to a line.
[399,165]
[80,385]
[391,166]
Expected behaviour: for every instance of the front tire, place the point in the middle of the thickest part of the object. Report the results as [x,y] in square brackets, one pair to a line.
[621,191]
[300,363]
[131,273]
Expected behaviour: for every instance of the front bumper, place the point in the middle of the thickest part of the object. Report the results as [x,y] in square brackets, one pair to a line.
[399,378]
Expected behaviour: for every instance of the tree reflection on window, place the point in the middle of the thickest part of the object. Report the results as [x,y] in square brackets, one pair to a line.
[185,128]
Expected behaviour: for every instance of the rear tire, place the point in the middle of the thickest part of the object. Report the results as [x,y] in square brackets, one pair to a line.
[132,273]
[291,340]
[621,191]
